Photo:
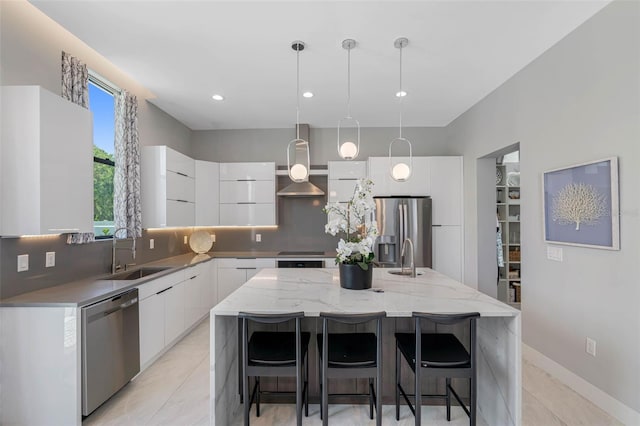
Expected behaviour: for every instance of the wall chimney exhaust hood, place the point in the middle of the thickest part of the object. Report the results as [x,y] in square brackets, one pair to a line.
[306,188]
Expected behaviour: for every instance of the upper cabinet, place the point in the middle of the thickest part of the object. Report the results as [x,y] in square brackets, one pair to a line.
[168,188]
[248,194]
[446,190]
[419,183]
[207,193]
[46,165]
[342,179]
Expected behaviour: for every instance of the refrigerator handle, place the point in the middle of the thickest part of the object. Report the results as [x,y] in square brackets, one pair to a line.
[401,220]
[405,231]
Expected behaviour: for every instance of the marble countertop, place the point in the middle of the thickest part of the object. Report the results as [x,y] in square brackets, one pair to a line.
[93,289]
[318,290]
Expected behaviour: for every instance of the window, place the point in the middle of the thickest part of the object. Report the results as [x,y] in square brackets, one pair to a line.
[102,105]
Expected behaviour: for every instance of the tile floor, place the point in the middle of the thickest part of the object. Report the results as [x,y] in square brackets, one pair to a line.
[175,391]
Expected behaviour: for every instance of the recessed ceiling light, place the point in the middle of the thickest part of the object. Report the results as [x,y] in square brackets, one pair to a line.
[401,94]
[218,97]
[307,95]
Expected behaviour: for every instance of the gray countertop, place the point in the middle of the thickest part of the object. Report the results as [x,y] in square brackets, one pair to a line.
[93,289]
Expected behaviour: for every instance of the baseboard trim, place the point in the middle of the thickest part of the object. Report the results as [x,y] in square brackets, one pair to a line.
[606,402]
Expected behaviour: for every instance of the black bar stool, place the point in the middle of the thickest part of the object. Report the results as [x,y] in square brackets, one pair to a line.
[351,355]
[274,354]
[441,355]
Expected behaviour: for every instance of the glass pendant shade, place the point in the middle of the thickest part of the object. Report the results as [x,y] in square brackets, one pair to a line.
[348,144]
[400,168]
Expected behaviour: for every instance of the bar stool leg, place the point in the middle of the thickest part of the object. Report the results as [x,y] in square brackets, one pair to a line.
[448,397]
[473,401]
[397,384]
[245,378]
[370,398]
[257,396]
[379,375]
[418,367]
[306,385]
[325,367]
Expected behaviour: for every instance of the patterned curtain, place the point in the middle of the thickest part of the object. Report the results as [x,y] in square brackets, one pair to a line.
[75,88]
[75,80]
[126,182]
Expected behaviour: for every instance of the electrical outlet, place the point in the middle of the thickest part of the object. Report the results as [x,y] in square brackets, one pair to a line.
[258,238]
[23,262]
[554,253]
[186,239]
[213,238]
[50,259]
[152,243]
[591,347]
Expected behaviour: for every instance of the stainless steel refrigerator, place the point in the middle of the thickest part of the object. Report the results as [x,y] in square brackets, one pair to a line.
[399,218]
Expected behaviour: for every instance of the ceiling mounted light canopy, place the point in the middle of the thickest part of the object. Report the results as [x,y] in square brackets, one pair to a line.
[299,163]
[399,167]
[347,148]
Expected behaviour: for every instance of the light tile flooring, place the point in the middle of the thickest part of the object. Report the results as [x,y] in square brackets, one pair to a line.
[175,391]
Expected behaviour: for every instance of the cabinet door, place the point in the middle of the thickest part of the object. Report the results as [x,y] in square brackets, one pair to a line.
[229,280]
[207,193]
[192,299]
[447,251]
[180,213]
[180,187]
[245,171]
[258,191]
[341,191]
[173,312]
[151,312]
[347,169]
[446,190]
[180,163]
[248,214]
[211,284]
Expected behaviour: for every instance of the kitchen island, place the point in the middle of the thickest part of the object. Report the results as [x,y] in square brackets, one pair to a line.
[318,290]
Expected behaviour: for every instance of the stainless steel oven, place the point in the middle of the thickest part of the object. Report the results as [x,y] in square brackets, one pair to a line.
[301,259]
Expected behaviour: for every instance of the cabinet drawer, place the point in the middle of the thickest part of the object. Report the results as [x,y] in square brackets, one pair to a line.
[180,213]
[248,214]
[180,187]
[257,263]
[259,191]
[347,169]
[248,171]
[341,191]
[152,287]
[180,163]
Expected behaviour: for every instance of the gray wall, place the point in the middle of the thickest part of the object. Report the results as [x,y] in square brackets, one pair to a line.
[577,102]
[30,52]
[271,144]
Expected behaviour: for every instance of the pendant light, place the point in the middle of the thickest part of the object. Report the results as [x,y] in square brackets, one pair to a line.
[348,149]
[299,170]
[399,169]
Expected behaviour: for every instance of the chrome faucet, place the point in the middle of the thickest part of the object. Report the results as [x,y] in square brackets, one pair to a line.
[402,255]
[116,267]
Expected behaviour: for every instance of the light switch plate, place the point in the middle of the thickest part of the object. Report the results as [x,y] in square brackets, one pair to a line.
[23,262]
[152,243]
[554,253]
[50,259]
[258,238]
[186,239]
[213,238]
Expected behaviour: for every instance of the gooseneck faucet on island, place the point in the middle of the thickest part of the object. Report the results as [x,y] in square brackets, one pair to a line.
[412,266]
[116,267]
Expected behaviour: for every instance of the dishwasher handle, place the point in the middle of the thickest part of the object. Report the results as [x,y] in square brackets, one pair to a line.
[119,307]
[110,306]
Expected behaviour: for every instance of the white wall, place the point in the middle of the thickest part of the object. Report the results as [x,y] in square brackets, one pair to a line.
[271,144]
[579,101]
[30,54]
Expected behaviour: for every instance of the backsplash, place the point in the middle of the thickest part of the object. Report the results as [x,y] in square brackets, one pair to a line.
[300,227]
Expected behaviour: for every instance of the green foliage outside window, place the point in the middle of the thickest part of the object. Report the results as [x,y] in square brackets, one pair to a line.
[102,187]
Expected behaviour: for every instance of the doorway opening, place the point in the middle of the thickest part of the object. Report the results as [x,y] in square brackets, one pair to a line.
[499,244]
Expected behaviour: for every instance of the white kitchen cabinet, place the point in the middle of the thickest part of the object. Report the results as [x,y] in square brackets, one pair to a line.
[151,311]
[167,188]
[46,172]
[174,304]
[342,179]
[447,250]
[197,297]
[247,194]
[446,190]
[233,272]
[207,193]
[418,184]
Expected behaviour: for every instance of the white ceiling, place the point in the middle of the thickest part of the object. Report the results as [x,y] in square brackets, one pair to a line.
[185,51]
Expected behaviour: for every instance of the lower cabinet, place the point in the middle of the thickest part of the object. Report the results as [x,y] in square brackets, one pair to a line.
[151,311]
[174,311]
[234,272]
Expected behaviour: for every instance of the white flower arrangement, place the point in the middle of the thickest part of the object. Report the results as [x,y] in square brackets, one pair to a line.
[355,219]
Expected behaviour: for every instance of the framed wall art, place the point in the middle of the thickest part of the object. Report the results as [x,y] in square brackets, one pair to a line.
[581,206]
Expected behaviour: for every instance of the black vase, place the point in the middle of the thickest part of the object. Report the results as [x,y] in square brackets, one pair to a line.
[353,277]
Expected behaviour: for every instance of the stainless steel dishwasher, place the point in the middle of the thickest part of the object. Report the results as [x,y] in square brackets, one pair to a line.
[110,348]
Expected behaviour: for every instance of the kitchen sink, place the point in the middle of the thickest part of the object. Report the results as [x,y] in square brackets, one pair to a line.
[405,273]
[138,273]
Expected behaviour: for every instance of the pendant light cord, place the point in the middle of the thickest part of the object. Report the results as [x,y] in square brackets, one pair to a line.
[400,92]
[298,92]
[349,83]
